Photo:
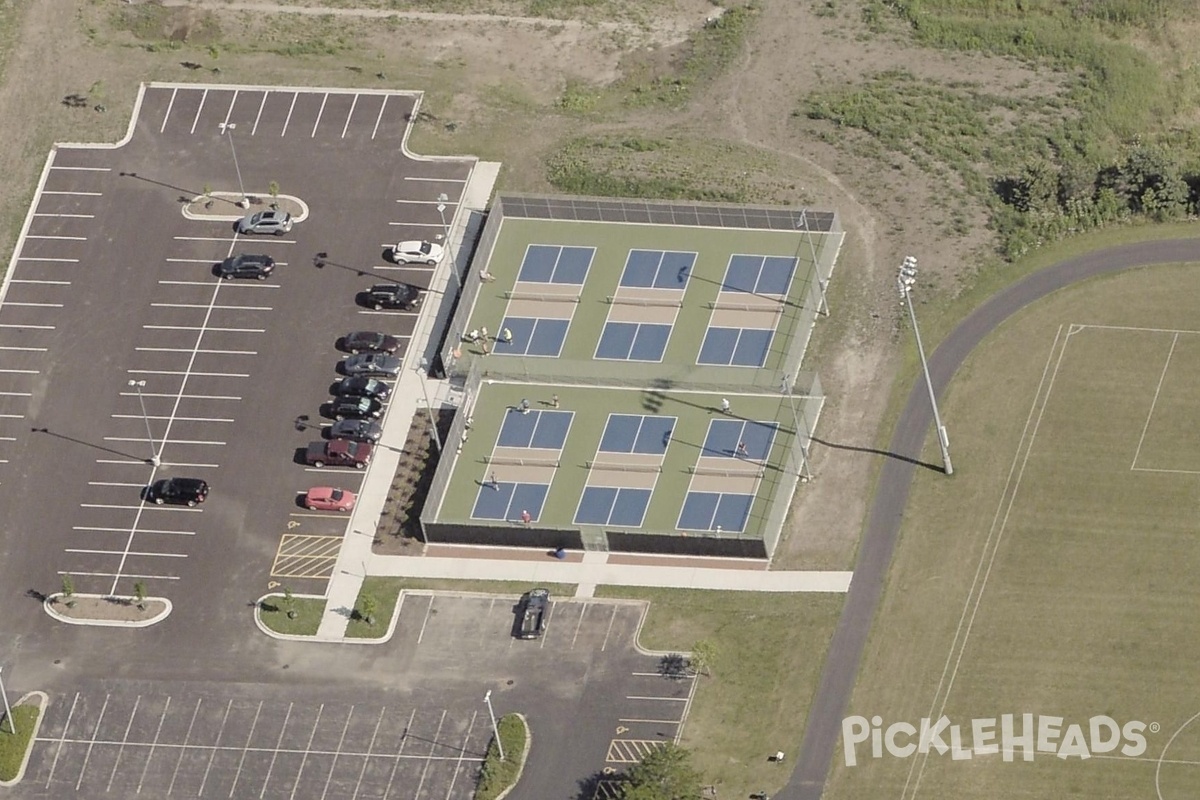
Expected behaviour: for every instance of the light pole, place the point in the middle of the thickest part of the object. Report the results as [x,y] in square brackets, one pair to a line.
[154,457]
[423,370]
[441,207]
[12,723]
[805,472]
[905,281]
[824,309]
[487,698]
[227,128]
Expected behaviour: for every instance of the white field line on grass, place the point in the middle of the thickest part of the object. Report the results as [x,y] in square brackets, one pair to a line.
[1154,402]
[991,545]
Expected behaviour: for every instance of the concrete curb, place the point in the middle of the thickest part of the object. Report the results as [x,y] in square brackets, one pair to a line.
[286,637]
[524,757]
[50,601]
[233,197]
[43,701]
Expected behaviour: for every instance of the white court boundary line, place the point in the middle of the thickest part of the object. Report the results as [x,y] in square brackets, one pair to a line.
[1157,390]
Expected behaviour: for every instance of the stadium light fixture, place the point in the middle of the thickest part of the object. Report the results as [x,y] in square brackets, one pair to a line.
[905,280]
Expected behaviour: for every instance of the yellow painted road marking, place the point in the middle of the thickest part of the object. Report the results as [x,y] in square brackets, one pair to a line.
[607,790]
[631,751]
[302,556]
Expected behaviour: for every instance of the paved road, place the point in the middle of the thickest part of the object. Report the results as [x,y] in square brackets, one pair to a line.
[883,529]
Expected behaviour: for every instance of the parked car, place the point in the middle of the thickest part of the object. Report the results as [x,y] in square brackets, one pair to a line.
[369,342]
[351,407]
[179,491]
[246,266]
[535,605]
[394,296]
[417,252]
[356,430]
[339,453]
[373,364]
[328,498]
[272,221]
[362,386]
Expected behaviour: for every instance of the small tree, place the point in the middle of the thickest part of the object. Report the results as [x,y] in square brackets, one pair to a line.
[289,603]
[703,654]
[273,189]
[139,594]
[68,590]
[367,606]
[664,774]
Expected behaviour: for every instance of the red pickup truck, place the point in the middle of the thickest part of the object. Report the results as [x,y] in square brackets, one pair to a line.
[339,453]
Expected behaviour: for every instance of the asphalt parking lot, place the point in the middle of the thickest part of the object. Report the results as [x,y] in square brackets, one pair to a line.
[112,284]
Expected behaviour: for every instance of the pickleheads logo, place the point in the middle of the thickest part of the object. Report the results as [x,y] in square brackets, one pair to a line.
[1010,733]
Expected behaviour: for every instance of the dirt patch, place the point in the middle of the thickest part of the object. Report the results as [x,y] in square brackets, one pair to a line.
[109,609]
[400,526]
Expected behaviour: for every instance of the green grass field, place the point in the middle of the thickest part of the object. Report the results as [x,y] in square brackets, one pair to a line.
[1054,574]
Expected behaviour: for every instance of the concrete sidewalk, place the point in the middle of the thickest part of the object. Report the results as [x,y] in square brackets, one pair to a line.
[410,392]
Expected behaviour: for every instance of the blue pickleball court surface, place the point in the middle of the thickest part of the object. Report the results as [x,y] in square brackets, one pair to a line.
[547,263]
[542,430]
[657,269]
[736,347]
[506,501]
[724,435]
[636,433]
[759,274]
[532,336]
[707,511]
[609,505]
[633,341]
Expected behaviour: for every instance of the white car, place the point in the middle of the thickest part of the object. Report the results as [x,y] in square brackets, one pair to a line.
[419,252]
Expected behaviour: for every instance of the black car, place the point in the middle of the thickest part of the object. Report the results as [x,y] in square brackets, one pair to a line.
[534,607]
[246,266]
[362,386]
[190,491]
[356,430]
[370,342]
[393,295]
[355,408]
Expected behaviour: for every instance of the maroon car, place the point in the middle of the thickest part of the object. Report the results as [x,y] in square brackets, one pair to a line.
[339,453]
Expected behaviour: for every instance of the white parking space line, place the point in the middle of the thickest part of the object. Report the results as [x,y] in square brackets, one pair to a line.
[62,740]
[437,225]
[653,721]
[214,307]
[75,194]
[194,261]
[184,396]
[44,283]
[341,741]
[21,371]
[197,327]
[26,350]
[140,507]
[170,105]
[320,111]
[206,239]
[181,419]
[278,745]
[664,699]
[462,753]
[95,529]
[188,350]
[92,743]
[141,462]
[216,744]
[435,180]
[12,416]
[608,632]
[148,577]
[387,314]
[379,119]
[32,305]
[288,119]
[169,441]
[56,238]
[119,552]
[154,744]
[30,327]
[307,749]
[16,394]
[232,103]
[255,285]
[203,97]
[399,754]
[437,735]
[428,612]
[186,372]
[370,748]
[329,470]
[113,483]
[258,116]
[245,748]
[326,515]
[64,216]
[449,203]
[183,750]
[346,127]
[83,169]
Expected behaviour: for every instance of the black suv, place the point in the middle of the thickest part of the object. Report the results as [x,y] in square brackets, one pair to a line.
[351,407]
[535,606]
[246,266]
[191,491]
[393,295]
